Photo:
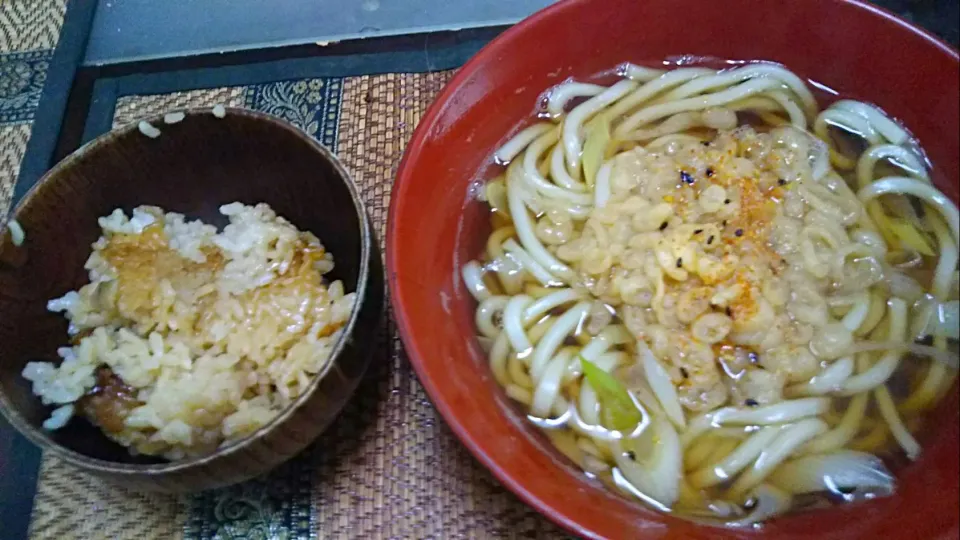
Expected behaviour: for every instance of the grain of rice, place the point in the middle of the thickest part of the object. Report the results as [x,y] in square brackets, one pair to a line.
[148,129]
[219,111]
[58,418]
[174,117]
[17,234]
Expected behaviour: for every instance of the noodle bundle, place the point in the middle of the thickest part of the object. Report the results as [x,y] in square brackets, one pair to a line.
[715,297]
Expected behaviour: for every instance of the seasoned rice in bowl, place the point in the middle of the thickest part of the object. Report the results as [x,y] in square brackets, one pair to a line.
[187,338]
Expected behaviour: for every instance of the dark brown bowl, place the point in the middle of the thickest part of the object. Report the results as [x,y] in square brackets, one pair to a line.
[192,168]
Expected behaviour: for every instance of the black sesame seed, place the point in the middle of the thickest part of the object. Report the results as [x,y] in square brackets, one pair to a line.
[926,340]
[705,143]
[709,171]
[754,357]
[663,225]
[781,181]
[738,232]
[685,176]
[631,455]
[684,372]
[698,231]
[751,402]
[680,262]
[710,240]
[726,201]
[724,223]
[751,502]
[729,312]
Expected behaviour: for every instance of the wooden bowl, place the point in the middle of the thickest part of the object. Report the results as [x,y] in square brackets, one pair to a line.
[849,46]
[193,167]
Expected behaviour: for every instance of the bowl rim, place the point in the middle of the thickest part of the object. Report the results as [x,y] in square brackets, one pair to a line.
[412,154]
[368,249]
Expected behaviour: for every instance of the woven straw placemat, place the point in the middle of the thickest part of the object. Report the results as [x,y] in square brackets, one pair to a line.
[388,467]
[29,30]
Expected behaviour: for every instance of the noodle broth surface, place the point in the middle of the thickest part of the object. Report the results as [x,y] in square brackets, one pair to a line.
[707,291]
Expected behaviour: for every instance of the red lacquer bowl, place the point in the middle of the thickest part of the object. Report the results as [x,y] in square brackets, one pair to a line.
[435,227]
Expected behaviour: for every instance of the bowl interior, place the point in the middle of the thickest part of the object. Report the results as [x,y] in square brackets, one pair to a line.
[194,167]
[435,226]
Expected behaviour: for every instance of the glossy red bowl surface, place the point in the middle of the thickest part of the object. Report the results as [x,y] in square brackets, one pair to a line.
[435,226]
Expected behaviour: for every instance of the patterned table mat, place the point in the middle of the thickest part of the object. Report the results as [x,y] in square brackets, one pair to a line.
[29,30]
[388,467]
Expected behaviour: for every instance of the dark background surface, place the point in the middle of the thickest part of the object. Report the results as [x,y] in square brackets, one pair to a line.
[125,30]
[942,17]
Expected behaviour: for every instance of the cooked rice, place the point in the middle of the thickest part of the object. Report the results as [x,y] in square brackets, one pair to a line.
[17,235]
[207,335]
[148,129]
[174,117]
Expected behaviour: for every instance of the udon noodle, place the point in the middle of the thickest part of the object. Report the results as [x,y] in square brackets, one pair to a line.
[715,297]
